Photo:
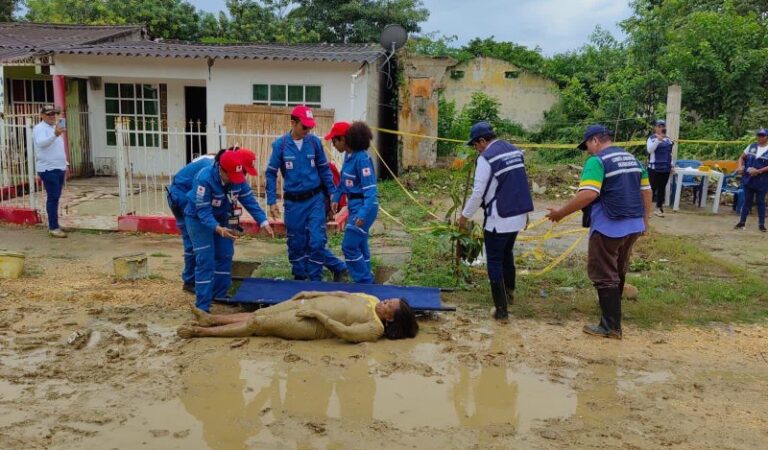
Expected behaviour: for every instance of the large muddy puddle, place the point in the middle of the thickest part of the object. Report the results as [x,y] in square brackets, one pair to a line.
[230,401]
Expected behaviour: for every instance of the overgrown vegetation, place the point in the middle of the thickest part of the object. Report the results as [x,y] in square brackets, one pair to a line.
[679,283]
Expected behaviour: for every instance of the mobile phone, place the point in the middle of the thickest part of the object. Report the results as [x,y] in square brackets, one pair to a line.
[62,123]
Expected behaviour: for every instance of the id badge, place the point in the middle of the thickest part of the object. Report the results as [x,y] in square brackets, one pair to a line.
[237,212]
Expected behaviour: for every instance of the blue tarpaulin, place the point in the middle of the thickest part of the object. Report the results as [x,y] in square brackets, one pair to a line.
[269,292]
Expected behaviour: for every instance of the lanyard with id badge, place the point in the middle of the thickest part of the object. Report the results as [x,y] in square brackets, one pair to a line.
[233,221]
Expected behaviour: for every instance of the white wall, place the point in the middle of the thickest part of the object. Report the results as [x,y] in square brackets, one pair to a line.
[230,82]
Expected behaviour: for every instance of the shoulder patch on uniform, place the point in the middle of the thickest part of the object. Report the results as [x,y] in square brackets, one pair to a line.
[201,190]
[366,171]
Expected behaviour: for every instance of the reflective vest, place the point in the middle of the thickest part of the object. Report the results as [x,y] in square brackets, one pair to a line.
[620,194]
[662,157]
[512,196]
[757,182]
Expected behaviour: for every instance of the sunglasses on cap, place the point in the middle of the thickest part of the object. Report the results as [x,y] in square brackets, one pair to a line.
[50,114]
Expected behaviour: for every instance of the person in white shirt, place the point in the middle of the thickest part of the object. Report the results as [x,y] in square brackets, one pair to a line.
[501,189]
[51,163]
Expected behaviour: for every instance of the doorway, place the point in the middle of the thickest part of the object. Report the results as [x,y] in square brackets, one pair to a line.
[195,121]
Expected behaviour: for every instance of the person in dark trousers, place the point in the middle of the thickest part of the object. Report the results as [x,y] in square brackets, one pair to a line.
[501,189]
[659,148]
[615,195]
[51,163]
[753,164]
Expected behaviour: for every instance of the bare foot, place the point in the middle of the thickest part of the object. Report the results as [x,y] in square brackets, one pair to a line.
[186,331]
[201,317]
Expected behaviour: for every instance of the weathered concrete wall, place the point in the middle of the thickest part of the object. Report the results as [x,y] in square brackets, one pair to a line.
[524,96]
[418,108]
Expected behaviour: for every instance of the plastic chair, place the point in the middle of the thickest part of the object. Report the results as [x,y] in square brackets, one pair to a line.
[689,181]
[732,185]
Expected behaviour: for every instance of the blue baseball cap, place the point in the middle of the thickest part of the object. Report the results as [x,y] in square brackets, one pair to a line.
[479,130]
[660,122]
[593,130]
[762,132]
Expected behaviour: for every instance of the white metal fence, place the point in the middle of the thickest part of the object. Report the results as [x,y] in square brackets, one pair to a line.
[146,161]
[17,164]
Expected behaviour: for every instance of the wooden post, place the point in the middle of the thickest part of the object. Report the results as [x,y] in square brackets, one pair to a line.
[674,100]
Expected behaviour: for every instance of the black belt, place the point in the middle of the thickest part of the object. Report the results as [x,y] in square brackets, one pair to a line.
[352,196]
[302,196]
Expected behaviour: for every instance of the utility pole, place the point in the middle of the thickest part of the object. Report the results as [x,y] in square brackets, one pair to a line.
[674,100]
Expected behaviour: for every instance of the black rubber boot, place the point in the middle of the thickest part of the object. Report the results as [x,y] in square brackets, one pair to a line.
[610,307]
[189,287]
[499,294]
[509,284]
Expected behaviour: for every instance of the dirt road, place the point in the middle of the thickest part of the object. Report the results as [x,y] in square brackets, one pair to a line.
[126,382]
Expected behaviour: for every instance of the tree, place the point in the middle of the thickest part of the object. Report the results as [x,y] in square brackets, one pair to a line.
[356,20]
[169,19]
[7,8]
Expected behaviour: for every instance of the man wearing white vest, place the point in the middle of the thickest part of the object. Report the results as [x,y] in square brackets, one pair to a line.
[501,189]
[51,163]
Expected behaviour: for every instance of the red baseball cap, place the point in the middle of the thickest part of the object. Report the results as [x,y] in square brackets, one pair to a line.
[338,129]
[232,164]
[305,116]
[249,161]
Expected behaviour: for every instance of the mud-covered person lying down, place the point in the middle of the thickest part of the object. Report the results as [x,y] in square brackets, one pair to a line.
[353,317]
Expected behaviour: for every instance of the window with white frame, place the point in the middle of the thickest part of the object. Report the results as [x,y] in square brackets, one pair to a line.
[141,105]
[287,95]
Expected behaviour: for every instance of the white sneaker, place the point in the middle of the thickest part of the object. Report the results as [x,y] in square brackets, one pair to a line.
[57,233]
[658,212]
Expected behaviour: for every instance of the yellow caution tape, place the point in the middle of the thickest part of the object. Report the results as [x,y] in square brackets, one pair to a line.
[553,145]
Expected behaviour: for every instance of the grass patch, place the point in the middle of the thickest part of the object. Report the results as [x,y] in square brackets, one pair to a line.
[160,255]
[679,283]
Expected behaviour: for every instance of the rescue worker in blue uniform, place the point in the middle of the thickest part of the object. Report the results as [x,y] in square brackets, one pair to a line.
[358,183]
[299,157]
[212,217]
[177,200]
[501,189]
[753,164]
[659,147]
[615,195]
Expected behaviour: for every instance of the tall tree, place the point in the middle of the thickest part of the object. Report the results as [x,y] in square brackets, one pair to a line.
[356,20]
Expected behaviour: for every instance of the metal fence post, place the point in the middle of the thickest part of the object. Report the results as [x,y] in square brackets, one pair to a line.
[31,163]
[121,164]
[5,172]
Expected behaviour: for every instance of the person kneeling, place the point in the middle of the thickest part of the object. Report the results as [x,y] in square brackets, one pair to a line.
[308,315]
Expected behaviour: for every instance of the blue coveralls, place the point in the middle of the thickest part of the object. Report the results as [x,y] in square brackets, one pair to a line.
[177,201]
[210,202]
[305,172]
[358,182]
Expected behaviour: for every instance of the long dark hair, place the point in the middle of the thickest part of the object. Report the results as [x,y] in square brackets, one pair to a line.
[404,324]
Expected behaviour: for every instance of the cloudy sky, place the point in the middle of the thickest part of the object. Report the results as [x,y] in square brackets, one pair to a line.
[554,25]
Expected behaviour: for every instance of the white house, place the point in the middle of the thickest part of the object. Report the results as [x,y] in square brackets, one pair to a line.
[162,87]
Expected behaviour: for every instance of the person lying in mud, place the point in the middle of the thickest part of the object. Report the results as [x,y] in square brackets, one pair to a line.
[308,315]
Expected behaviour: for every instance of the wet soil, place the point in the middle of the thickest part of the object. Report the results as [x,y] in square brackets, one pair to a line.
[89,363]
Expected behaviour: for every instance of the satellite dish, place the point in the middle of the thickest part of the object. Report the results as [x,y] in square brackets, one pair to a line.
[393,37]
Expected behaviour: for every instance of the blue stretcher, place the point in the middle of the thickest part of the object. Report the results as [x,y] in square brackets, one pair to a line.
[263,291]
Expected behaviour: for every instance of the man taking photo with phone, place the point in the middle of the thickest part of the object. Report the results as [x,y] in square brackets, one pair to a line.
[51,163]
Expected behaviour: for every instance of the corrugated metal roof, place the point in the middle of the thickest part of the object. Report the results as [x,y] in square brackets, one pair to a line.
[286,52]
[37,35]
[21,42]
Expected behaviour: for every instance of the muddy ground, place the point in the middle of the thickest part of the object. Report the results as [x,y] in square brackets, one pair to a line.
[126,382]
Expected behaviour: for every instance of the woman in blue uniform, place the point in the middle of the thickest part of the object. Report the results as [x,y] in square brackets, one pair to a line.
[212,218]
[358,183]
[659,148]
